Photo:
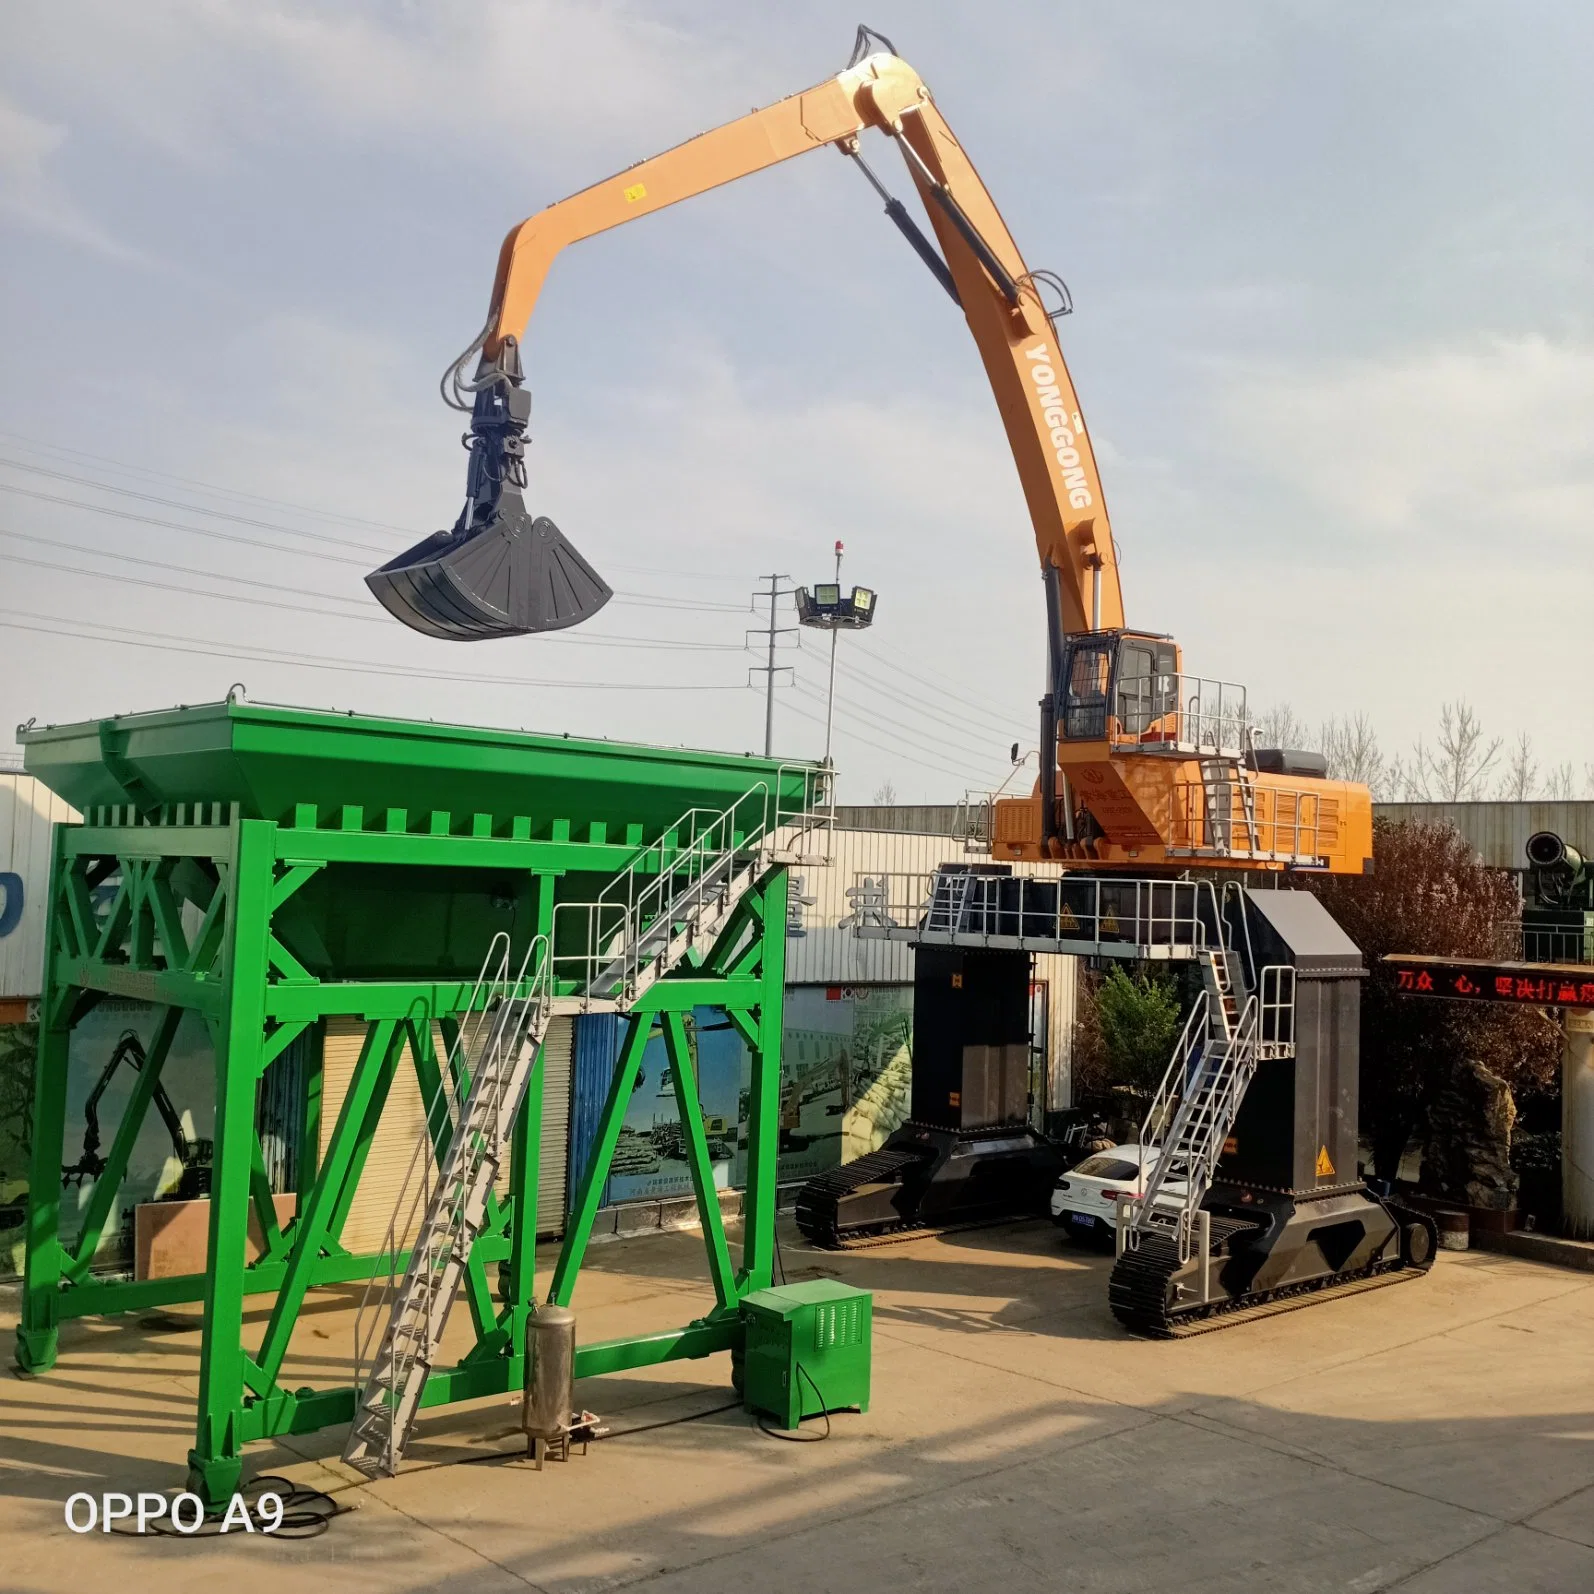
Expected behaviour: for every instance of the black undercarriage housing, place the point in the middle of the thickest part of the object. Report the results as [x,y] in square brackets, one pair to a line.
[1288,1214]
[968,1153]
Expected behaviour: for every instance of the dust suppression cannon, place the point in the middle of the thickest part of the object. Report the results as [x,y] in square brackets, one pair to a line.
[499,571]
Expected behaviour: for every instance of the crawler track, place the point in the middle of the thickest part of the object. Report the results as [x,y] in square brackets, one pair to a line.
[1138,1289]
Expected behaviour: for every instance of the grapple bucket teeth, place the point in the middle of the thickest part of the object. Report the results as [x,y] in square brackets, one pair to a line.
[508,576]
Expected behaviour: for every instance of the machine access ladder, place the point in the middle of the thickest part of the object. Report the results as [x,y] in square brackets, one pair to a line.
[1230,1029]
[677,895]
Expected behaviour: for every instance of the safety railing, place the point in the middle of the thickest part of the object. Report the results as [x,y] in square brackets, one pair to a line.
[971,822]
[1187,1052]
[1184,714]
[1105,916]
[601,947]
[1275,1036]
[1209,1084]
[1288,823]
[1572,942]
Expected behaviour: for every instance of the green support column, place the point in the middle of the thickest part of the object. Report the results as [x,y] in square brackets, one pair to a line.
[763,1126]
[689,1107]
[215,1463]
[38,1333]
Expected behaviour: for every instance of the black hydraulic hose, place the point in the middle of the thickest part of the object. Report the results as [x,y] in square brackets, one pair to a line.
[923,248]
[999,273]
[910,229]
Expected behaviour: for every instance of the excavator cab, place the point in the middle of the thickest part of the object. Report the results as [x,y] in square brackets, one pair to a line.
[499,571]
[1119,686]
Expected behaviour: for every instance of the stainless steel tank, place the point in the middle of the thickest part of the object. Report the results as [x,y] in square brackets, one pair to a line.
[548,1407]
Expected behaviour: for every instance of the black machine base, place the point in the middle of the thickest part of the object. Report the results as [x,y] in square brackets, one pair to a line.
[925,1177]
[1264,1250]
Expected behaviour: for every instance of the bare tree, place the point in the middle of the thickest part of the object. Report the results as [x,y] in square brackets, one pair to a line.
[885,795]
[1561,787]
[1351,747]
[1521,778]
[1399,783]
[1279,726]
[1456,769]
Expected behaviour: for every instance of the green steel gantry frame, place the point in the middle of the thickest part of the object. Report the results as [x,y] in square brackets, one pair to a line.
[209,916]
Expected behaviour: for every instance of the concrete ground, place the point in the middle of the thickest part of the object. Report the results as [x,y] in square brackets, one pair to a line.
[1435,1437]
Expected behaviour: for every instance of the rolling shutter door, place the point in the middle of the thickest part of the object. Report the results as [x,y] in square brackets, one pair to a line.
[551,1201]
[393,1145]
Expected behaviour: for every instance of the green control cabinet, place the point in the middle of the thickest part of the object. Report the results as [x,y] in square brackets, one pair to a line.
[806,1350]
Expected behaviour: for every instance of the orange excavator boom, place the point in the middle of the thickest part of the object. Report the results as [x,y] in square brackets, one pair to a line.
[500,571]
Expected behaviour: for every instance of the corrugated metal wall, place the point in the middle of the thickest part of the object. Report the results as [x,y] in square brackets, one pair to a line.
[1498,832]
[27,810]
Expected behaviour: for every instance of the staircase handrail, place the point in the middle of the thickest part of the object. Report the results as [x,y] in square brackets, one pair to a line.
[1213,1118]
[675,874]
[472,1141]
[1159,1115]
[1235,889]
[1201,1124]
[415,1189]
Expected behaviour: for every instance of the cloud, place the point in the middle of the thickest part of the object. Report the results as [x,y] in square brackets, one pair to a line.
[198,78]
[31,195]
[1487,441]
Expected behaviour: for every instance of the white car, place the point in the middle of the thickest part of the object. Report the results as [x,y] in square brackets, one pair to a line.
[1085,1199]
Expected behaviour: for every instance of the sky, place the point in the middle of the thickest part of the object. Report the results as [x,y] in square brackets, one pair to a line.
[1333,277]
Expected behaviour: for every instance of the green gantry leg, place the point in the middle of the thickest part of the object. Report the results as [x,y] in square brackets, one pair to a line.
[763,1125]
[215,1463]
[690,1109]
[38,1332]
[573,1252]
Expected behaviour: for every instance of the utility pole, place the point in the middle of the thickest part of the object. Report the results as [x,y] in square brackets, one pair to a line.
[769,669]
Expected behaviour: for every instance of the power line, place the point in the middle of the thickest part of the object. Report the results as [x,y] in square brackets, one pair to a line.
[193,509]
[939,769]
[903,740]
[927,708]
[631,599]
[917,671]
[276,503]
[161,564]
[163,643]
[173,525]
[647,643]
[207,487]
[912,734]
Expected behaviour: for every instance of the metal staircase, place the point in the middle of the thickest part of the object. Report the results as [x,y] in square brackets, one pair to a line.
[676,896]
[516,1016]
[1228,1032]
[1222,779]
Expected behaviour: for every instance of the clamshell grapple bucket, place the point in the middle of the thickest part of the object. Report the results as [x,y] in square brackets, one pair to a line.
[507,576]
[499,571]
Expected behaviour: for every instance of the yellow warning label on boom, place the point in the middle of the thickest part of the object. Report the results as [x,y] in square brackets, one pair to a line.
[1325,1168]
